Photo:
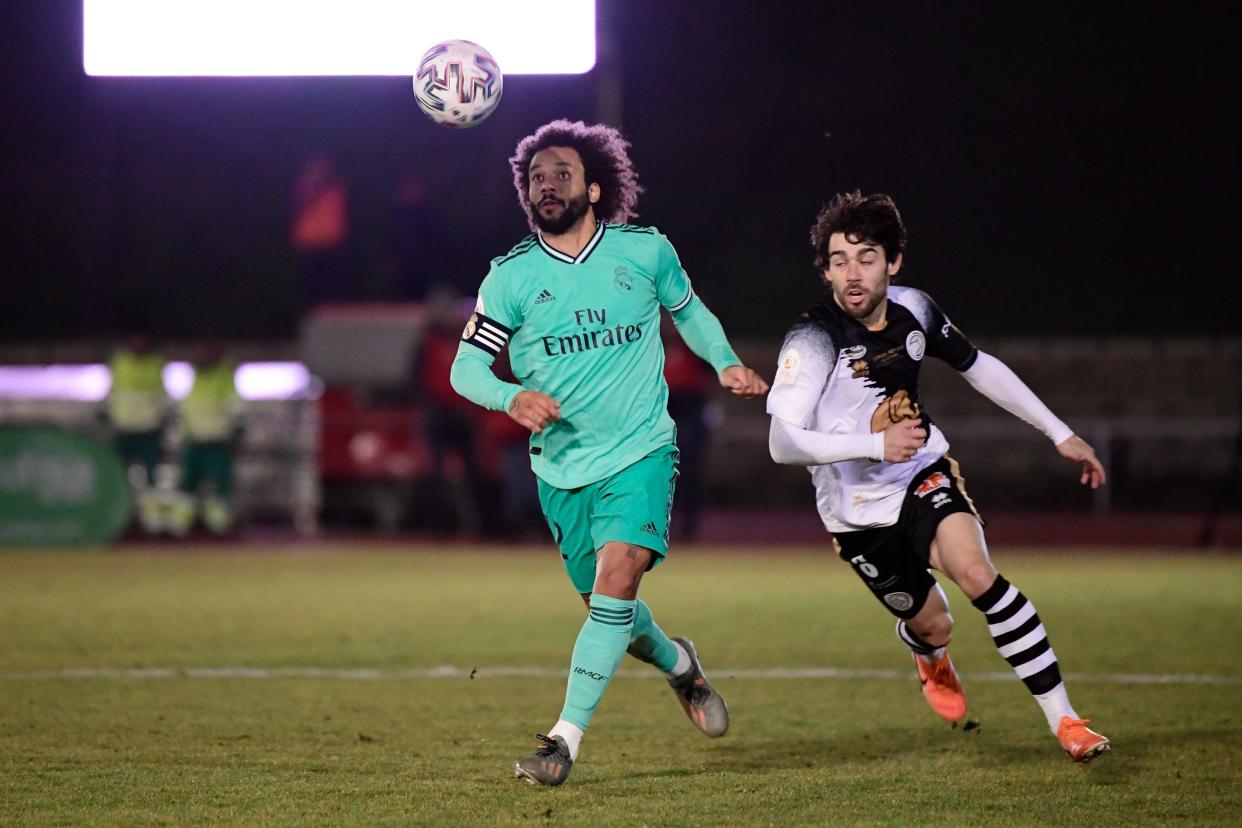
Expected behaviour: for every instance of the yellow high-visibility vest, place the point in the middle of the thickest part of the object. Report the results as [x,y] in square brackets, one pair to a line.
[210,410]
[137,399]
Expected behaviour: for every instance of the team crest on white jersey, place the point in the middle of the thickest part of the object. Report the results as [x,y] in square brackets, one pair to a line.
[916,345]
[790,363]
[854,352]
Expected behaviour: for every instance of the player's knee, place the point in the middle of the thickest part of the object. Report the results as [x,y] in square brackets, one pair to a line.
[618,583]
[977,578]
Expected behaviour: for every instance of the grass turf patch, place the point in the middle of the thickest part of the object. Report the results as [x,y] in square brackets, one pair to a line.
[391,750]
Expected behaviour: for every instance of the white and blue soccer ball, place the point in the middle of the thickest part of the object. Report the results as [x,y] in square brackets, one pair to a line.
[458,83]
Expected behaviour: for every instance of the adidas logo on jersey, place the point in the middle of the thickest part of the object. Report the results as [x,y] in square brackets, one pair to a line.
[544,296]
[650,528]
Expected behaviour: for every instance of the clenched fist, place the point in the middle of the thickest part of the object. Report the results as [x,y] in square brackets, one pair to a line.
[902,440]
[743,381]
[534,410]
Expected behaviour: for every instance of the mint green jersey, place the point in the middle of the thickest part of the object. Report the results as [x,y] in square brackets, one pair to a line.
[585,330]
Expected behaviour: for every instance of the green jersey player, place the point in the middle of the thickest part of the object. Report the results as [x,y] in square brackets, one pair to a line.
[578,305]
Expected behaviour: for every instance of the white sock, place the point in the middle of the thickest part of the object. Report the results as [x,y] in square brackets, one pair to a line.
[917,645]
[571,733]
[683,662]
[1055,704]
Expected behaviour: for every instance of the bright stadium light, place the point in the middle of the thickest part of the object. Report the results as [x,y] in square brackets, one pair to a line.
[90,383]
[272,380]
[254,380]
[329,37]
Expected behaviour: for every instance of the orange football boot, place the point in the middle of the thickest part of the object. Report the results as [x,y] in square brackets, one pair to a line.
[941,687]
[1081,742]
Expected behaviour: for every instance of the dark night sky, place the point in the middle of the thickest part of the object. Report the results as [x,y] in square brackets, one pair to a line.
[1059,171]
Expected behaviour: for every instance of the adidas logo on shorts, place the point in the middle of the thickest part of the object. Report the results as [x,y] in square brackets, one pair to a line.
[650,528]
[544,296]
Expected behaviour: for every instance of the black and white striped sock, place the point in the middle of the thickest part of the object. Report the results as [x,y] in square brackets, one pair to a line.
[1021,640]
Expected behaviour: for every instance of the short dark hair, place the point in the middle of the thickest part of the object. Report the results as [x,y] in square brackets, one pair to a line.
[872,218]
[605,159]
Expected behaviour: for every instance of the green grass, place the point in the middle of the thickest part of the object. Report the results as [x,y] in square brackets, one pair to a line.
[396,750]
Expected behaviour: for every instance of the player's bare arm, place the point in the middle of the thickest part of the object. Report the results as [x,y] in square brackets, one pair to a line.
[743,381]
[534,410]
[1077,449]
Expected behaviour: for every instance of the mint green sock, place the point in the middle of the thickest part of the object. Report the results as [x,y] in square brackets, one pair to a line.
[649,643]
[599,649]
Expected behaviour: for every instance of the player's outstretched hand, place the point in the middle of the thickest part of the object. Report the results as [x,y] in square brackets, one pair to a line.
[534,410]
[1077,449]
[743,381]
[903,439]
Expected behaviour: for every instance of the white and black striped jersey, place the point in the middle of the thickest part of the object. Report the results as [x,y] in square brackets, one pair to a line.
[836,377]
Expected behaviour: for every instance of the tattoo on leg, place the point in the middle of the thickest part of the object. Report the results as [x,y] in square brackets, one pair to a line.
[632,551]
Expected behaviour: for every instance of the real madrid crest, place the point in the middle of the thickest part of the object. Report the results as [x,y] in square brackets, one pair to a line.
[622,280]
[472,325]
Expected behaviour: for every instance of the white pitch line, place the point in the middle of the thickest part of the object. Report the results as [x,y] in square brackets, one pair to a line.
[451,672]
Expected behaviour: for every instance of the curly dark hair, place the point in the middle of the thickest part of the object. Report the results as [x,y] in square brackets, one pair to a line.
[605,158]
[872,218]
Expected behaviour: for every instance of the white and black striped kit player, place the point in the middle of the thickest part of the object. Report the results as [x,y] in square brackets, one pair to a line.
[843,384]
[836,376]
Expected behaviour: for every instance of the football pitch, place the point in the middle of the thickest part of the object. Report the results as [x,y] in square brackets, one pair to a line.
[346,684]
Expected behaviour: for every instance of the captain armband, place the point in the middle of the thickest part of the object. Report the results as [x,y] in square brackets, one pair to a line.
[486,333]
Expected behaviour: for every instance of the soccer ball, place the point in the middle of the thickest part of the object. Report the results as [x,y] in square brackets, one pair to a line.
[458,83]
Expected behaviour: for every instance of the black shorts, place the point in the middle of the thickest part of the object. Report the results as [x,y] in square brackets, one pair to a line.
[893,560]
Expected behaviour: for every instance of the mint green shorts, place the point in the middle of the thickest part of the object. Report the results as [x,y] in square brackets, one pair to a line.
[632,506]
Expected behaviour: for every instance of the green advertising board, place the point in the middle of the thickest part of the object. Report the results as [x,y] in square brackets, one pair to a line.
[59,488]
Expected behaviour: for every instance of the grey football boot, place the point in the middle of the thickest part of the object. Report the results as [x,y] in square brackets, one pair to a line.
[548,765]
[703,705]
